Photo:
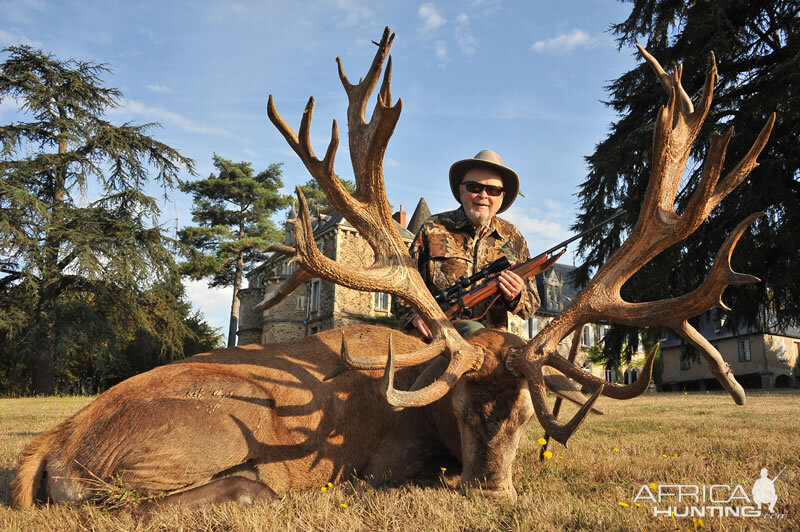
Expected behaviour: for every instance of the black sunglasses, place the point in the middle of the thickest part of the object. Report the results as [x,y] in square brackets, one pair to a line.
[476,188]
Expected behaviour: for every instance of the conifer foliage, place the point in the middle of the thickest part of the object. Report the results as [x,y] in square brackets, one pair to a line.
[79,277]
[232,210]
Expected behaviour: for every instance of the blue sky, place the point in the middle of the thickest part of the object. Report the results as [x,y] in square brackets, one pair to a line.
[523,78]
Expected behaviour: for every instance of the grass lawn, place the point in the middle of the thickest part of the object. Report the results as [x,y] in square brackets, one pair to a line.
[701,439]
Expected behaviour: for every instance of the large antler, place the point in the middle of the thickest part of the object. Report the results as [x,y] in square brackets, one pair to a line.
[368,211]
[657,228]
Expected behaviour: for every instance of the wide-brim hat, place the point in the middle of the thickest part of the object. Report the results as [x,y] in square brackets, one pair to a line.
[486,159]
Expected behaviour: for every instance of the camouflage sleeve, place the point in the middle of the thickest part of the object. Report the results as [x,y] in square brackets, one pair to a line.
[528,301]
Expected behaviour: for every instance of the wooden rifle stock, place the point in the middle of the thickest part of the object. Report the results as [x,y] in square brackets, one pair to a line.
[491,287]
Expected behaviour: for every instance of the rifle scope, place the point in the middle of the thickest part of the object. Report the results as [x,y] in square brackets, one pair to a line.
[464,282]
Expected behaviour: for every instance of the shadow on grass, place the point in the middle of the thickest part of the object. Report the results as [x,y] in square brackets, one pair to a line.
[5,485]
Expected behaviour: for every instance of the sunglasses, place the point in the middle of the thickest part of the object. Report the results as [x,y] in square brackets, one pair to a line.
[477,188]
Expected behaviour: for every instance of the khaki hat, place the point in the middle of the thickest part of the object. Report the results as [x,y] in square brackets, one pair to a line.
[486,159]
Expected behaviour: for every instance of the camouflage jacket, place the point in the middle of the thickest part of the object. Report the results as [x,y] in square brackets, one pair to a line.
[447,248]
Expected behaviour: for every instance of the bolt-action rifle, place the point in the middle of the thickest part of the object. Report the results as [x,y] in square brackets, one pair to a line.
[458,300]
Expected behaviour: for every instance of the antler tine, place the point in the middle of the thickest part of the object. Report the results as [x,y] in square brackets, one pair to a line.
[719,368]
[461,361]
[668,81]
[297,278]
[614,391]
[358,94]
[402,360]
[322,170]
[368,141]
[560,432]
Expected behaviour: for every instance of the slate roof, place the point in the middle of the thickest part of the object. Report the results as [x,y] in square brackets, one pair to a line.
[558,277]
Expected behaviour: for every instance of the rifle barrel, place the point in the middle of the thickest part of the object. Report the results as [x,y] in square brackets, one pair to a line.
[568,241]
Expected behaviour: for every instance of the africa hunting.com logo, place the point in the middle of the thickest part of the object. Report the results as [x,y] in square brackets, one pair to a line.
[717,500]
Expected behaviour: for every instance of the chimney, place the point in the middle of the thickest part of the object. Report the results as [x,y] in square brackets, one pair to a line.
[400,216]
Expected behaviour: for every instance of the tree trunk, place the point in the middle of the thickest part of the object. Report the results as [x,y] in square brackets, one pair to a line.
[43,364]
[44,378]
[237,284]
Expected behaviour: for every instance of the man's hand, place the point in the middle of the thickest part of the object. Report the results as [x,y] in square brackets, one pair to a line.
[511,284]
[421,327]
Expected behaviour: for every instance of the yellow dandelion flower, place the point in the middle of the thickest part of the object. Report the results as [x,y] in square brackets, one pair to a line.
[698,522]
[661,427]
[330,485]
[653,486]
[548,455]
[664,455]
[561,457]
[343,505]
[623,504]
[616,449]
[637,505]
[542,441]
[443,469]
[371,491]
[674,456]
[323,489]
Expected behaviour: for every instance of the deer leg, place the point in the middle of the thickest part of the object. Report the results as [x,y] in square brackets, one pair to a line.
[234,488]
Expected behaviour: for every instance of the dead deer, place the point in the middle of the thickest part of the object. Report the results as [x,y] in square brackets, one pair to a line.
[245,423]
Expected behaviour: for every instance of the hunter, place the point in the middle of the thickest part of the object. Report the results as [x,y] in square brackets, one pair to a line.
[459,243]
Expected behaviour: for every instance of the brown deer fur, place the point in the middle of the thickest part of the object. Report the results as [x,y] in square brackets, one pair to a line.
[264,413]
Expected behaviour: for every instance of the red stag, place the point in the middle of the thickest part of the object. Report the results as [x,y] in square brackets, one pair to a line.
[245,423]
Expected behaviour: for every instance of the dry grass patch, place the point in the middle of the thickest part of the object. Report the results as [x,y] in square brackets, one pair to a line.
[701,439]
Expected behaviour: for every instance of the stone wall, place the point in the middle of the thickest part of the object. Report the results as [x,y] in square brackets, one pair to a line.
[349,304]
[250,326]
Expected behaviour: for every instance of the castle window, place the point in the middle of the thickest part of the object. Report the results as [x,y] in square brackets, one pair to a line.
[587,338]
[314,303]
[744,350]
[301,303]
[611,375]
[381,301]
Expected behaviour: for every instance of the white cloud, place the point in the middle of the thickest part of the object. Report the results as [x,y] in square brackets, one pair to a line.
[214,303]
[441,50]
[158,88]
[538,229]
[354,14]
[466,41]
[8,38]
[160,114]
[441,54]
[431,19]
[565,42]
[552,204]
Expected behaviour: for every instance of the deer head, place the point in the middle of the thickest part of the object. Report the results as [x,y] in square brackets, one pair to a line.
[657,228]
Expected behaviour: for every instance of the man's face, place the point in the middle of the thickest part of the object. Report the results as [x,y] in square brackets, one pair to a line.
[481,207]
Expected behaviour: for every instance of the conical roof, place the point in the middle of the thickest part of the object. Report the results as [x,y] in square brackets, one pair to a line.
[421,213]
